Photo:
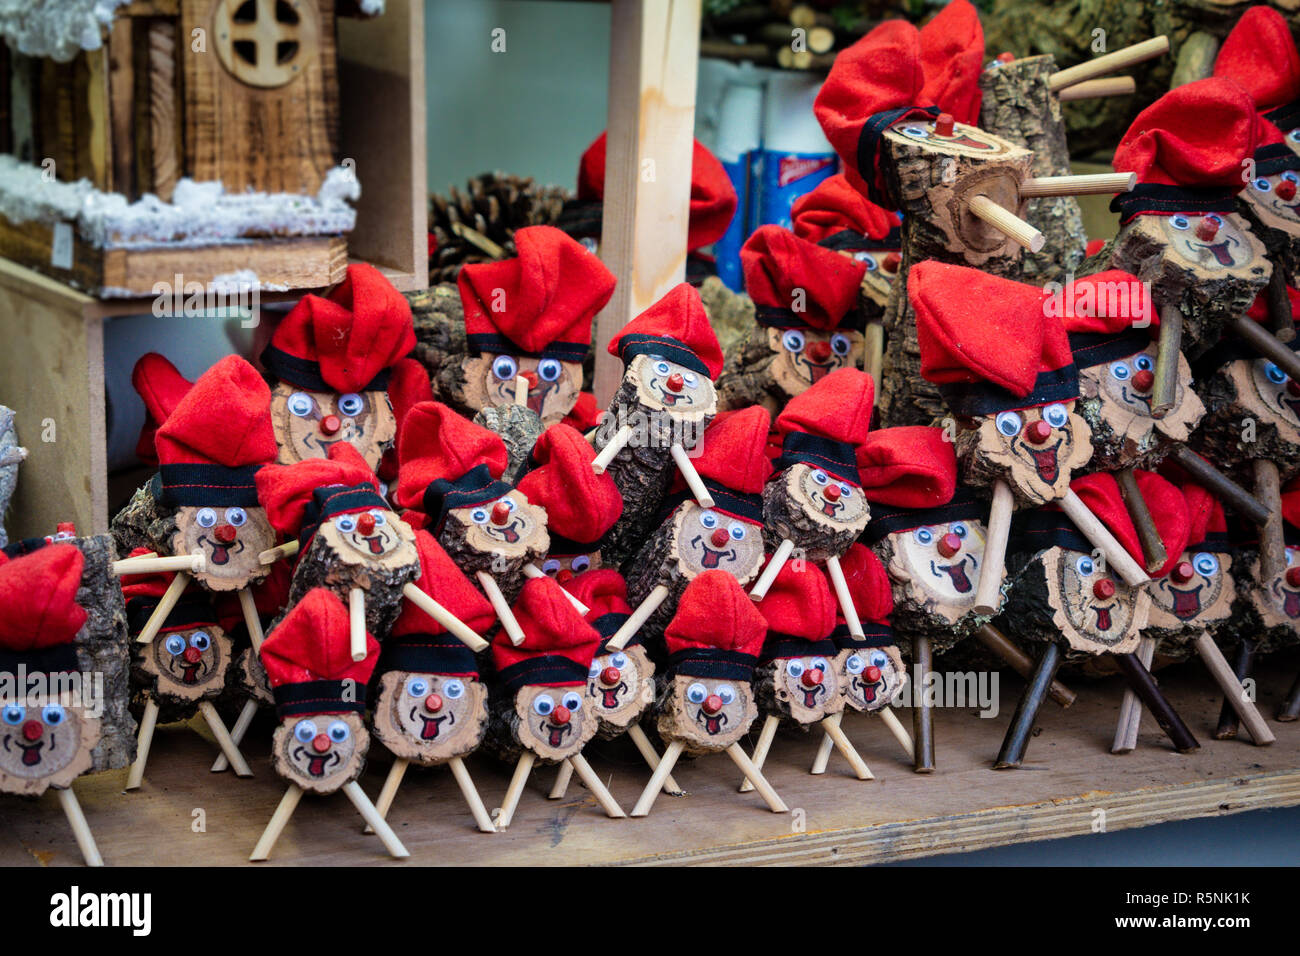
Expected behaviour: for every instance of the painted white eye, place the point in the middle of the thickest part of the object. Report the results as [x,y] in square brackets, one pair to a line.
[916,132]
[551,566]
[662,368]
[339,732]
[579,564]
[737,530]
[840,344]
[1294,136]
[821,477]
[207,518]
[1179,222]
[572,702]
[879,659]
[794,668]
[709,519]
[378,515]
[846,491]
[821,664]
[695,694]
[346,523]
[1120,371]
[417,687]
[619,660]
[595,668]
[236,516]
[548,370]
[454,688]
[304,731]
[1008,423]
[1056,415]
[726,692]
[508,502]
[351,404]
[867,259]
[1205,564]
[53,715]
[175,645]
[12,714]
[1143,363]
[543,704]
[479,516]
[505,368]
[793,341]
[855,664]
[923,536]
[200,641]
[301,404]
[1274,374]
[1084,565]
[958,529]
[1262,185]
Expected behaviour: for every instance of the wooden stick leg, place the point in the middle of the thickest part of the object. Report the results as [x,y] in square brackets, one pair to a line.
[357,623]
[847,750]
[501,606]
[922,712]
[1007,222]
[288,803]
[218,728]
[1109,63]
[1266,344]
[367,810]
[610,451]
[765,738]
[1130,709]
[470,793]
[755,776]
[988,593]
[1117,557]
[836,572]
[513,792]
[1164,393]
[392,783]
[774,566]
[874,360]
[1095,89]
[1280,318]
[454,625]
[1012,754]
[164,608]
[80,828]
[148,721]
[252,620]
[1090,184]
[286,550]
[596,786]
[237,733]
[146,564]
[533,571]
[1233,692]
[638,617]
[1224,488]
[693,480]
[1020,662]
[1144,684]
[1242,667]
[899,731]
[656,783]
[1153,548]
[651,756]
[563,774]
[1289,710]
[823,758]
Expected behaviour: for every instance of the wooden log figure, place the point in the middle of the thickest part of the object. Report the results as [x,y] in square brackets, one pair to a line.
[1260,54]
[539,705]
[707,701]
[331,359]
[529,317]
[320,695]
[808,325]
[47,730]
[671,358]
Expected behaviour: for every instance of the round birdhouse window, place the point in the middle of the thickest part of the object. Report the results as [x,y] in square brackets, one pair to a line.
[266,43]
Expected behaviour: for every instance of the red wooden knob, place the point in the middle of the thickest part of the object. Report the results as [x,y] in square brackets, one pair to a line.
[1038,432]
[366,523]
[66,527]
[819,351]
[712,704]
[610,675]
[675,382]
[320,743]
[564,575]
[433,703]
[872,673]
[1293,576]
[892,261]
[1006,56]
[831,492]
[192,655]
[1182,572]
[32,730]
[943,126]
[1105,588]
[812,677]
[330,425]
[560,715]
[500,513]
[530,377]
[1143,380]
[949,545]
[226,533]
[719,537]
[1206,229]
[1285,190]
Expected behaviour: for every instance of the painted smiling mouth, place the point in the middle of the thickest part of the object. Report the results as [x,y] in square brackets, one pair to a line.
[670,398]
[816,370]
[376,543]
[1045,461]
[1220,252]
[1134,399]
[190,673]
[1291,603]
[557,732]
[31,752]
[830,508]
[868,691]
[430,729]
[316,763]
[1186,603]
[609,696]
[508,533]
[810,696]
[221,553]
[709,558]
[956,572]
[964,140]
[1103,618]
[714,723]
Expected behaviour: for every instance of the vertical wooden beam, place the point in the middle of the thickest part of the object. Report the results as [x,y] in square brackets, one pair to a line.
[95,145]
[653,57]
[165,153]
[6,91]
[121,106]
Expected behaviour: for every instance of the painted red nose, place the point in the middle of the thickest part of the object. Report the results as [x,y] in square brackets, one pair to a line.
[719,537]
[812,677]
[32,730]
[330,425]
[192,655]
[433,703]
[366,523]
[675,382]
[1104,589]
[320,743]
[1038,432]
[819,351]
[1144,379]
[1285,190]
[872,674]
[226,533]
[712,704]
[831,492]
[1182,572]
[892,261]
[610,675]
[500,513]
[1207,229]
[949,545]
[943,126]
[1293,576]
[564,575]
[530,378]
[560,715]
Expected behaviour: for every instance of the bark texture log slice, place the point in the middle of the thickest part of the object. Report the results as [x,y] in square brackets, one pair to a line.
[326,565]
[519,427]
[104,648]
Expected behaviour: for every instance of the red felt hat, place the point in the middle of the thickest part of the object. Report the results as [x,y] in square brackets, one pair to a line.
[558,644]
[541,302]
[952,57]
[604,591]
[838,216]
[676,328]
[585,414]
[1206,524]
[824,425]
[717,631]
[300,496]
[1291,502]
[1100,492]
[1093,247]
[800,612]
[581,506]
[308,659]
[868,581]
[911,466]
[1259,310]
[408,385]
[347,342]
[1259,53]
[797,284]
[161,386]
[1107,315]
[217,437]
[713,198]
[1016,355]
[446,461]
[733,463]
[39,613]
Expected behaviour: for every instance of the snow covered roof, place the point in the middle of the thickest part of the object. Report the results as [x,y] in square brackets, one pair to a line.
[58,29]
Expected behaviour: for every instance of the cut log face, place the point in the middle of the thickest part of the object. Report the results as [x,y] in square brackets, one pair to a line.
[797,505]
[693,549]
[1275,220]
[619,699]
[365,420]
[538,730]
[1192,605]
[1256,391]
[522,535]
[860,691]
[873,295]
[1119,413]
[924,579]
[1037,473]
[1089,623]
[565,567]
[229,565]
[1276,601]
[61,752]
[490,380]
[804,702]
[429,719]
[693,402]
[806,356]
[683,716]
[320,753]
[187,666]
[251,676]
[391,545]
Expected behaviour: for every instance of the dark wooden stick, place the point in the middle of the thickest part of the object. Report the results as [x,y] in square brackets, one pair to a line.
[1153,548]
[1014,743]
[1164,394]
[1251,507]
[922,719]
[1242,666]
[1020,662]
[1267,345]
[1280,319]
[1272,541]
[1144,685]
[1290,707]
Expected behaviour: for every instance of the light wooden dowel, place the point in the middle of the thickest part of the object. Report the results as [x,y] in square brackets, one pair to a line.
[1091,184]
[823,758]
[242,722]
[1130,708]
[596,786]
[454,625]
[563,774]
[252,620]
[899,731]
[656,782]
[164,608]
[1096,89]
[755,776]
[1109,63]
[275,826]
[774,566]
[836,572]
[388,792]
[516,788]
[610,451]
[498,602]
[286,550]
[228,748]
[651,756]
[80,828]
[1007,223]
[693,480]
[352,790]
[193,563]
[847,750]
[765,738]
[521,390]
[1117,557]
[533,571]
[638,618]
[874,361]
[357,623]
[1233,692]
[988,595]
[467,789]
[143,739]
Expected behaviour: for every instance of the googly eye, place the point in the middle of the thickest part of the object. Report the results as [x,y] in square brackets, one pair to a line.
[301,404]
[551,566]
[548,370]
[821,477]
[1084,565]
[793,341]
[1205,564]
[846,491]
[737,531]
[572,702]
[200,641]
[479,516]
[1294,136]
[508,502]
[879,659]
[662,368]
[1056,415]
[304,731]
[543,704]
[840,344]
[339,732]
[378,515]
[454,689]
[726,692]
[346,523]
[695,694]
[1143,363]
[505,368]
[206,518]
[794,668]
[1179,222]
[821,664]
[13,714]
[855,664]
[351,404]
[417,687]
[595,668]
[236,516]
[175,645]
[590,244]
[619,660]
[916,132]
[1008,423]
[579,564]
[53,715]
[1120,371]
[959,529]
[1274,374]
[868,260]
[1215,218]
[1262,185]
[1290,557]
[923,536]
[709,519]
